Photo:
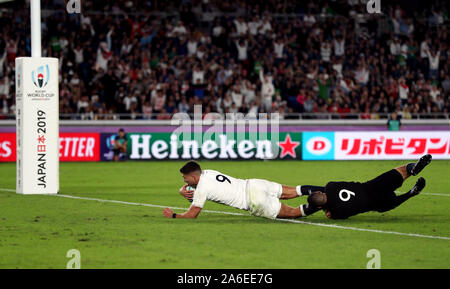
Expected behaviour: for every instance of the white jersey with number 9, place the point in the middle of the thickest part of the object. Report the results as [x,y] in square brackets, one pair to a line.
[220,188]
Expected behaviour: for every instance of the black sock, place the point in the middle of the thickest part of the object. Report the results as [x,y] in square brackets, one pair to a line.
[401,198]
[307,210]
[307,190]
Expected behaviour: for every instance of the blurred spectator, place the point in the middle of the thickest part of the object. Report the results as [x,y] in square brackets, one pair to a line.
[4,87]
[120,145]
[394,123]
[267,91]
[403,91]
[433,58]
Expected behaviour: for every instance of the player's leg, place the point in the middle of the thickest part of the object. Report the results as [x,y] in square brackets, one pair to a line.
[303,190]
[403,171]
[386,183]
[288,192]
[393,179]
[287,212]
[413,169]
[264,200]
[116,154]
[396,201]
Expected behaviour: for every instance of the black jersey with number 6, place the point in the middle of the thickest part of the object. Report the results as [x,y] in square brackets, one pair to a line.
[345,199]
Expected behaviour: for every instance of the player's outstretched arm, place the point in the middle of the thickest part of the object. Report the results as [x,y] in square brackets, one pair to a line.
[192,213]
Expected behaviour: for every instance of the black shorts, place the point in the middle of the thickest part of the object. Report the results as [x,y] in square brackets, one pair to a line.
[389,181]
[118,151]
[383,187]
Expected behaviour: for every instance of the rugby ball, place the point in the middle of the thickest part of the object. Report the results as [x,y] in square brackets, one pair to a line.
[189,188]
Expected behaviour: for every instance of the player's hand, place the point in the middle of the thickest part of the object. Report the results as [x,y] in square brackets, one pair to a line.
[328,214]
[167,213]
[187,194]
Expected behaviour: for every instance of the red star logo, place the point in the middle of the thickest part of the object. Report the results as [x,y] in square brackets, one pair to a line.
[288,147]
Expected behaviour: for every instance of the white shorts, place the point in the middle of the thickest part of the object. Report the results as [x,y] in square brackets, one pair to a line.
[264,198]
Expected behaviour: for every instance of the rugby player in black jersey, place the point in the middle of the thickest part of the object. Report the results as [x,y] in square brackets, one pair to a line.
[341,200]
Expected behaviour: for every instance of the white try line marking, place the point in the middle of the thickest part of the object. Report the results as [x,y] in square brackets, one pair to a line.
[240,214]
[430,194]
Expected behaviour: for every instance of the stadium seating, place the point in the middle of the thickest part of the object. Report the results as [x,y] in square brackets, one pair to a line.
[323,58]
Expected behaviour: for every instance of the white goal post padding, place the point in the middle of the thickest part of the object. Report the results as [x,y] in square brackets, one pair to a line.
[37,125]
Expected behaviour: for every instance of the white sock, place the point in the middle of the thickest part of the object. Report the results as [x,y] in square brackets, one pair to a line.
[299,190]
[302,210]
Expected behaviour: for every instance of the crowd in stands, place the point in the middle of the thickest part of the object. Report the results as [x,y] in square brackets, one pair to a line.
[152,59]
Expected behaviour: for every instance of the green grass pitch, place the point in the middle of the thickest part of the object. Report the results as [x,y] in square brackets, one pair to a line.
[37,231]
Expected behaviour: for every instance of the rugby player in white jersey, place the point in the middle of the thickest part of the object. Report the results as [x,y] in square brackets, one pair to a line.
[259,197]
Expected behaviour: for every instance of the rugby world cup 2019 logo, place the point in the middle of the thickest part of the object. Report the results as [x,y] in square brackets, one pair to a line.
[41,76]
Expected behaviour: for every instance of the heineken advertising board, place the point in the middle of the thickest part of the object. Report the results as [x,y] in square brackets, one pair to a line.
[214,146]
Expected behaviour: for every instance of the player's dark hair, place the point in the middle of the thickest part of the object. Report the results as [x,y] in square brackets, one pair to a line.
[317,199]
[190,167]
